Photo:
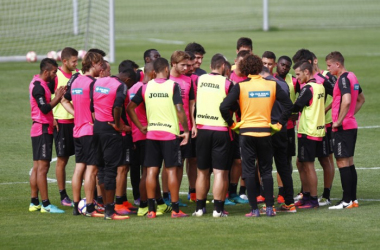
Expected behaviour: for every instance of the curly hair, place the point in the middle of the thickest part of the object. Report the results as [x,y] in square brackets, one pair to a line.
[251,65]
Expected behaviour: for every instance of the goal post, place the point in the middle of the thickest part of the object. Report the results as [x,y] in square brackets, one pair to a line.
[46,25]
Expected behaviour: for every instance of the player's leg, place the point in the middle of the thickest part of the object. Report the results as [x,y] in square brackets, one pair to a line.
[76,184]
[34,203]
[248,155]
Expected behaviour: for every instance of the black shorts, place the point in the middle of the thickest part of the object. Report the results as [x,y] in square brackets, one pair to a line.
[330,139]
[291,142]
[64,140]
[307,149]
[42,146]
[344,143]
[235,147]
[127,148]
[323,147]
[186,150]
[110,149]
[158,151]
[140,151]
[85,150]
[214,150]
[193,147]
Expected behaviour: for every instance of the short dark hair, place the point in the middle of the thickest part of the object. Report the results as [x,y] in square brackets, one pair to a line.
[68,52]
[242,53]
[105,65]
[244,42]
[47,64]
[286,58]
[160,64]
[251,65]
[128,73]
[217,61]
[269,55]
[99,51]
[303,65]
[191,54]
[335,56]
[303,54]
[127,64]
[147,53]
[196,48]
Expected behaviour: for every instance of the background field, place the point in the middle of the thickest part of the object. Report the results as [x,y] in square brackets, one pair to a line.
[148,24]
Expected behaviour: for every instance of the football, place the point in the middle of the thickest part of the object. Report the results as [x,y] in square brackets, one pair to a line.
[81,54]
[82,206]
[31,56]
[59,55]
[52,54]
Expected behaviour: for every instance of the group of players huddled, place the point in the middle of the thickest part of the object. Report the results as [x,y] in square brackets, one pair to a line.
[230,122]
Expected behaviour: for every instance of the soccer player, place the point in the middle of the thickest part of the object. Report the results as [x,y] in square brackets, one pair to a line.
[164,107]
[128,64]
[107,102]
[256,97]
[64,123]
[280,148]
[139,139]
[347,101]
[179,62]
[191,166]
[122,205]
[323,152]
[214,141]
[235,173]
[311,130]
[329,170]
[282,73]
[42,133]
[269,60]
[79,89]
[243,44]
[199,52]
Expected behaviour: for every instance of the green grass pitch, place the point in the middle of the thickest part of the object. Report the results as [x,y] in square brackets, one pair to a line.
[313,229]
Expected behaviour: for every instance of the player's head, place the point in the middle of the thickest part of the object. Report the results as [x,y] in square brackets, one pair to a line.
[161,66]
[265,72]
[334,62]
[149,73]
[190,63]
[303,54]
[251,65]
[269,60]
[48,69]
[128,64]
[179,61]
[227,69]
[238,59]
[303,70]
[92,62]
[283,66]
[69,57]
[151,55]
[218,62]
[106,69]
[128,76]
[198,51]
[99,51]
[244,43]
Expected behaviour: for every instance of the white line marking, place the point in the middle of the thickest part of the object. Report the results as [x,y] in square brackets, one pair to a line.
[377,126]
[165,41]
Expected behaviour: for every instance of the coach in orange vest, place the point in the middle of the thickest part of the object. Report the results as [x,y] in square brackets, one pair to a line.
[256,97]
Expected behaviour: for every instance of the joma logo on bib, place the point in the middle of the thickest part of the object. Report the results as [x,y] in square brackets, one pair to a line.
[209,85]
[159,95]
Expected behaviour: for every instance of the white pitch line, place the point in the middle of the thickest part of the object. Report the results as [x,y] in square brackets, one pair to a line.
[377,126]
[156,40]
